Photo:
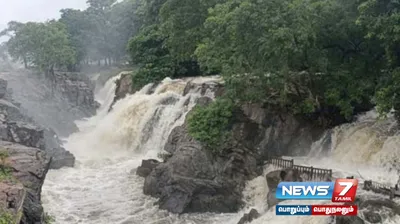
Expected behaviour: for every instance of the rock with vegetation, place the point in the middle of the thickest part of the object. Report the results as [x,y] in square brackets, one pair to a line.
[221,146]
[26,166]
[12,197]
[197,179]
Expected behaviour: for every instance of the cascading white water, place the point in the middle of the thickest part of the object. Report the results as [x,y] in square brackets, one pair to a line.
[102,189]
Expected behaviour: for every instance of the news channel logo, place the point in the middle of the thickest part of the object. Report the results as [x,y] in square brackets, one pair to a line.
[342,190]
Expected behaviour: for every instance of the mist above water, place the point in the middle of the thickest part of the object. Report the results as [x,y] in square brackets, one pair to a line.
[48,108]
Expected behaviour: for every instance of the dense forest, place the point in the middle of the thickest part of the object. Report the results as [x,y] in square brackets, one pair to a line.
[320,58]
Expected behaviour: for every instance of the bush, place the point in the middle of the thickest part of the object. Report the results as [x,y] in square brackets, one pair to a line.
[211,124]
[5,173]
[48,219]
[164,156]
[5,170]
[6,218]
[151,73]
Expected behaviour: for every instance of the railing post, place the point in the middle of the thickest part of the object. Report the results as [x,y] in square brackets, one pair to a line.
[312,173]
[291,163]
[391,193]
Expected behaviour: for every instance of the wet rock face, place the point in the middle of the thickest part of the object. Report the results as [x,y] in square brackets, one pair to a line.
[78,90]
[147,166]
[209,87]
[283,134]
[124,86]
[60,157]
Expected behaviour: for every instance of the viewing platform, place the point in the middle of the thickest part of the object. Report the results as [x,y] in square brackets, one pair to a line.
[310,173]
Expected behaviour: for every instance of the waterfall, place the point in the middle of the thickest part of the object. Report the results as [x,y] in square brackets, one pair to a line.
[103,189]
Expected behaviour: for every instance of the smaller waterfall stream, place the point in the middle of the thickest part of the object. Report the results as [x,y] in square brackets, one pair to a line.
[102,189]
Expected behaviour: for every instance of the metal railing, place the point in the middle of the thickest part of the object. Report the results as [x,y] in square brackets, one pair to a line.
[312,174]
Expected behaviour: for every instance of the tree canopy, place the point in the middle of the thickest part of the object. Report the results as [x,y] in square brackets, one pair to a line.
[99,33]
[44,45]
[324,59]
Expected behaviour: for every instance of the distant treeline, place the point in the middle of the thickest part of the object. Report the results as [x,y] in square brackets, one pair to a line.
[98,34]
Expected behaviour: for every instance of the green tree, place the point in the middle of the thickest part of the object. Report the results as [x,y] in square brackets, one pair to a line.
[303,56]
[77,26]
[147,50]
[182,22]
[381,19]
[44,45]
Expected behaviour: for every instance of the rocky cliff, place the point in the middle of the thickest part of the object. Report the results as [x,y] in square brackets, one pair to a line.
[123,86]
[16,127]
[27,151]
[78,90]
[55,101]
[192,179]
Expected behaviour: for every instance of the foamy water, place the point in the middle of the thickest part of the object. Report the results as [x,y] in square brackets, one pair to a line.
[103,189]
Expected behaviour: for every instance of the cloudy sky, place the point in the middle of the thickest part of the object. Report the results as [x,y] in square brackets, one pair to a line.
[34,10]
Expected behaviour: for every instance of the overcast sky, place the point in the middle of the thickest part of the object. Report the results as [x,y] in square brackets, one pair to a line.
[34,10]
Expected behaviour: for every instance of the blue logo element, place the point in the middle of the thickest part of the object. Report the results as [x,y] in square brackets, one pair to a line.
[305,190]
[293,210]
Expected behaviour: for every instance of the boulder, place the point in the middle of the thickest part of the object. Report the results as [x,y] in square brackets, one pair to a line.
[123,86]
[379,203]
[249,217]
[271,198]
[274,178]
[192,181]
[147,166]
[30,166]
[25,134]
[372,217]
[349,220]
[60,157]
[288,175]
[3,88]
[31,135]
[178,136]
[12,111]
